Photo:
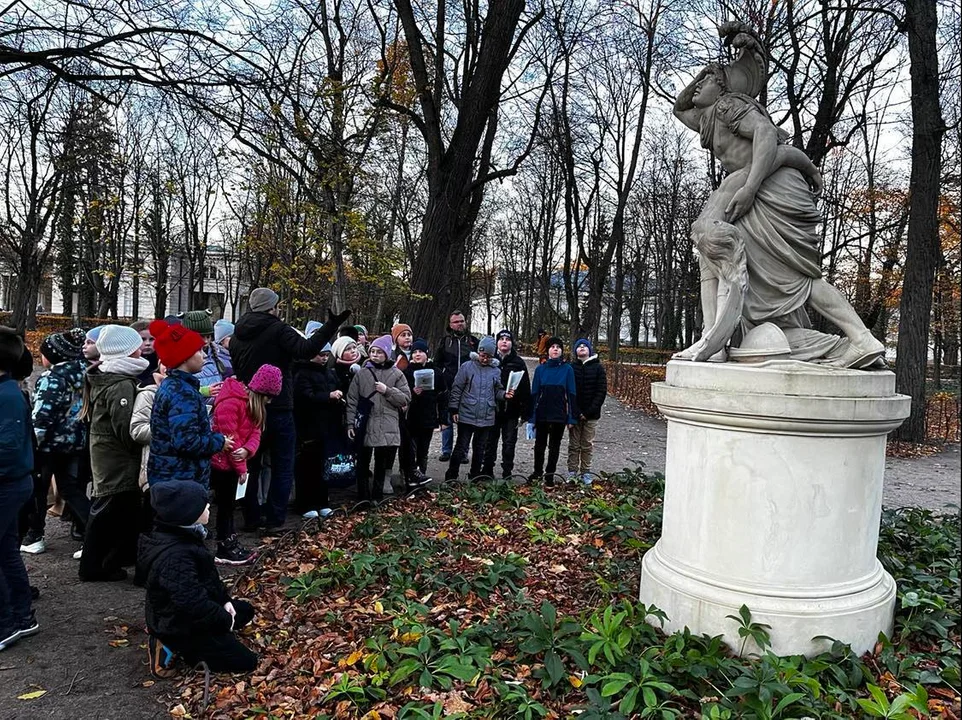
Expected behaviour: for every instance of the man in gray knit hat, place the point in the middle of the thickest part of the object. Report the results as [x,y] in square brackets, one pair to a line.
[262,338]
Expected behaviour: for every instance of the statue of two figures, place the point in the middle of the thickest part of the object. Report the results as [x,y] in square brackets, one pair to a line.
[757,236]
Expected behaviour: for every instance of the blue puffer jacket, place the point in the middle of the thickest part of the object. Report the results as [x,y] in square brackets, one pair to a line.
[56,408]
[553,392]
[476,391]
[181,440]
[217,367]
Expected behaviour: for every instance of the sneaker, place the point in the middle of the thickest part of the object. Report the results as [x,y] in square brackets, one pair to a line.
[445,457]
[418,479]
[310,515]
[33,544]
[325,512]
[30,627]
[231,552]
[79,554]
[8,638]
[160,658]
[586,479]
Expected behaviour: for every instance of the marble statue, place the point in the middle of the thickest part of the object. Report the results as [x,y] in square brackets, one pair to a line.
[757,236]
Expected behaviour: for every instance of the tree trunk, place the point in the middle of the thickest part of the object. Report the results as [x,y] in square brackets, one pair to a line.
[28,285]
[922,254]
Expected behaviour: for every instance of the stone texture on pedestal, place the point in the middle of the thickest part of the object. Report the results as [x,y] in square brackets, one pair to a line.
[773,498]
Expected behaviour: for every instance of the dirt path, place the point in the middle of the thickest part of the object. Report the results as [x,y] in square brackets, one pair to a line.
[86,677]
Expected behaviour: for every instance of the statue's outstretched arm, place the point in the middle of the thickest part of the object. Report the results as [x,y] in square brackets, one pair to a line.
[684,109]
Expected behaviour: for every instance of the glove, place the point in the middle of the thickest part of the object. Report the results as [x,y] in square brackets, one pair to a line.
[338,319]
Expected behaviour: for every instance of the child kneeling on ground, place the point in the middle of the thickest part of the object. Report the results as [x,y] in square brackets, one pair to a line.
[189,611]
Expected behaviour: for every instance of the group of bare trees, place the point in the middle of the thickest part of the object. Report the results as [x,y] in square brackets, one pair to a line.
[404,159]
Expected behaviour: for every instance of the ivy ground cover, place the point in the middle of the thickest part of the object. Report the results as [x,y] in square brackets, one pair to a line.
[501,601]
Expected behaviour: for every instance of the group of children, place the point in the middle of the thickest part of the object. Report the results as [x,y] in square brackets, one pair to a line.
[152,418]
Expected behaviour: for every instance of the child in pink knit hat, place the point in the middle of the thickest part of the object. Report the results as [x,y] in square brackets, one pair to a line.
[239,411]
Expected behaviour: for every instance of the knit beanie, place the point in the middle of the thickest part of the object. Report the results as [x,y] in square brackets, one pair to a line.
[174,344]
[223,329]
[583,341]
[60,347]
[361,330]
[199,321]
[397,330]
[263,299]
[312,327]
[268,380]
[386,344]
[487,345]
[118,341]
[420,344]
[505,333]
[340,345]
[327,348]
[554,340]
[11,349]
[178,502]
[173,320]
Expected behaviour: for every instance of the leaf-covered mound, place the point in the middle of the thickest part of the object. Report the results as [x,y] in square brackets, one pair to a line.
[498,601]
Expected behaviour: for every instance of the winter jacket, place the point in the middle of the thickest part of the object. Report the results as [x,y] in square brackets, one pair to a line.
[591,385]
[542,346]
[454,352]
[181,440]
[146,378]
[553,392]
[403,359]
[430,407]
[114,455]
[383,428]
[232,417]
[217,367]
[476,392]
[140,428]
[56,408]
[185,595]
[520,405]
[315,413]
[16,432]
[264,339]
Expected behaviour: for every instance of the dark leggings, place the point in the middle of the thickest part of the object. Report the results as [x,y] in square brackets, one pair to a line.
[422,444]
[111,538]
[372,487]
[309,483]
[224,485]
[547,434]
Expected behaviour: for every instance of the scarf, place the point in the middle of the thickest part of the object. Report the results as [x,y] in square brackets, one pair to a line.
[125,366]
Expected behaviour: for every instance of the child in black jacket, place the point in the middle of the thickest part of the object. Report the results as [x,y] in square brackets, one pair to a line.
[318,409]
[188,607]
[428,404]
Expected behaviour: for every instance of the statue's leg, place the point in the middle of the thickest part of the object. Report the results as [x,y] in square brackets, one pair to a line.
[864,348]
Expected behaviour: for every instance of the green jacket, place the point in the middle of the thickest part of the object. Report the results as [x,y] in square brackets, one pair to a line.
[114,454]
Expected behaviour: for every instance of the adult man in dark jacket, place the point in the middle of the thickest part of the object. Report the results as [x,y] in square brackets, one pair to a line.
[262,338]
[454,351]
[509,412]
[591,387]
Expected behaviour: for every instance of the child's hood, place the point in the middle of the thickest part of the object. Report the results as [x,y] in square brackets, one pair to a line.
[232,389]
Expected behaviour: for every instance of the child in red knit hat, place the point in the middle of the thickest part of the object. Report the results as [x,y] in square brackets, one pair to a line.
[239,412]
[181,439]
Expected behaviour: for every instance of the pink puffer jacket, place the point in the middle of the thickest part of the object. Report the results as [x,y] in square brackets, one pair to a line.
[231,418]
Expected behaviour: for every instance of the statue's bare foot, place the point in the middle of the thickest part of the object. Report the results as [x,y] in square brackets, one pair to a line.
[690,352]
[861,353]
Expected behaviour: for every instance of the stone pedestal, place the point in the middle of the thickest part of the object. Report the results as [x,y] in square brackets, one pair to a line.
[773,497]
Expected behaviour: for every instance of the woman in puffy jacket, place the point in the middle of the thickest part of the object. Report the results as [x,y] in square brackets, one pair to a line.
[378,392]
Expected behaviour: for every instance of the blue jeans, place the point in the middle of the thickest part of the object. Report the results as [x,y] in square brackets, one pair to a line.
[447,435]
[279,439]
[14,586]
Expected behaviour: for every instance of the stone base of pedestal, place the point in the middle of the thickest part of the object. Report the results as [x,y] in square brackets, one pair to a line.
[772,500]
